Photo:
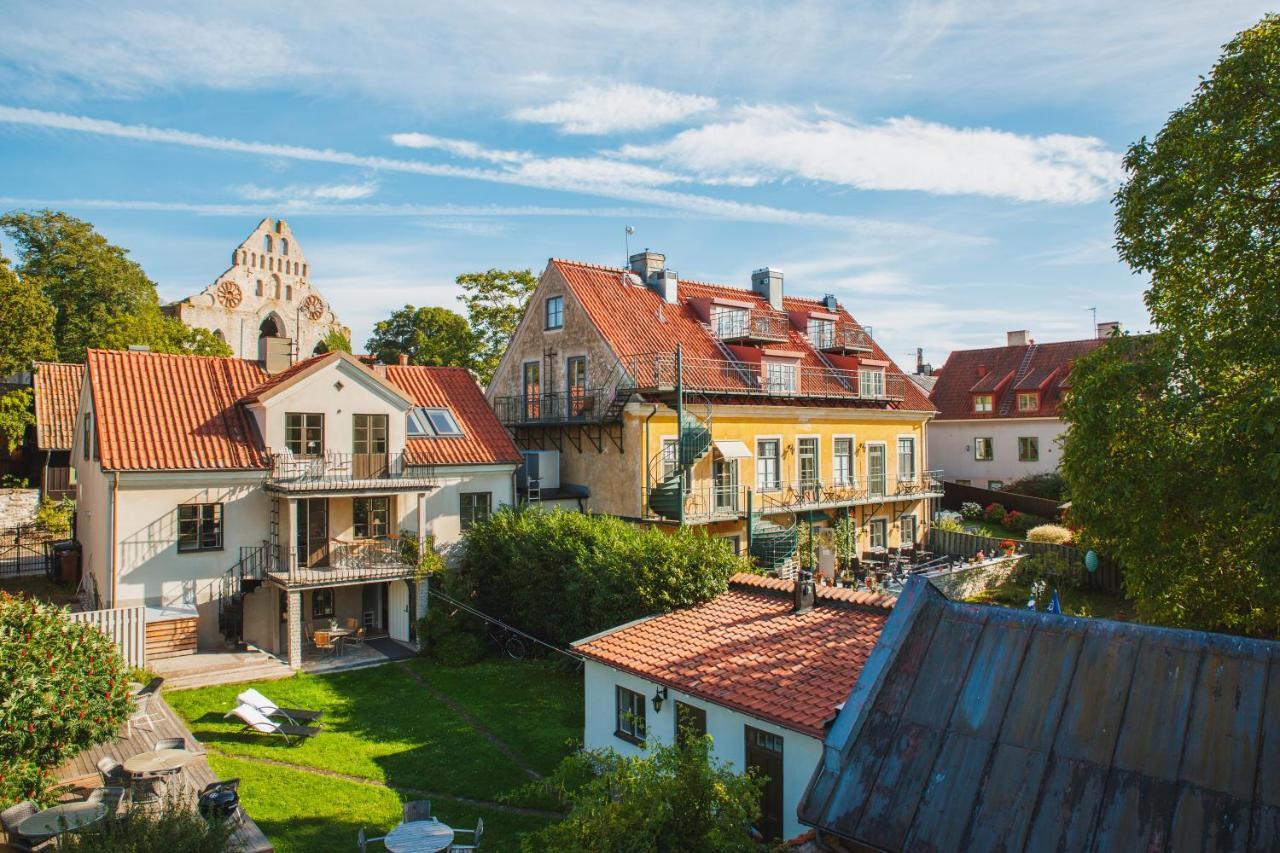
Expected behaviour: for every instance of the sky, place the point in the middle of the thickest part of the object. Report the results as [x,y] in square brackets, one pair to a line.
[945,168]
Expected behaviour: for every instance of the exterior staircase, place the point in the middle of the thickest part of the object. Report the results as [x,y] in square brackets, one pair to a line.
[666,498]
[209,668]
[240,580]
[773,545]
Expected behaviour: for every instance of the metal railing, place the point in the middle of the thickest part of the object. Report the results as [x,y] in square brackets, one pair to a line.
[657,372]
[334,470]
[588,405]
[372,559]
[749,324]
[842,337]
[705,502]
[799,495]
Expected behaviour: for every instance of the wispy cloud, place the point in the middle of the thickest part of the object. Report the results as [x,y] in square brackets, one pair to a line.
[458,147]
[778,143]
[612,109]
[301,192]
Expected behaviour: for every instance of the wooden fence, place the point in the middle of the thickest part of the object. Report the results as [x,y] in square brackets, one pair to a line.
[1107,578]
[955,494]
[125,626]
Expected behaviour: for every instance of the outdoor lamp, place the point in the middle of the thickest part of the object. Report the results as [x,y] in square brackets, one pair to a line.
[659,697]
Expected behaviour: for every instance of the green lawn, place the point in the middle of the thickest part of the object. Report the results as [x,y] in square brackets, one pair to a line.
[987,528]
[1074,602]
[381,725]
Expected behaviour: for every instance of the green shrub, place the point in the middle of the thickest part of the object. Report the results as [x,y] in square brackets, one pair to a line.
[1024,521]
[65,689]
[1049,485]
[971,511]
[175,828]
[561,576]
[952,525]
[55,516]
[1053,569]
[994,514]
[1054,534]
[458,648]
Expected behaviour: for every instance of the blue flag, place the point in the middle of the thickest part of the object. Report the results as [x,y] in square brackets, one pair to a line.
[1055,606]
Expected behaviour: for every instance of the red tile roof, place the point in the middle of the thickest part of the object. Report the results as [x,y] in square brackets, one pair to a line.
[634,321]
[174,412]
[484,440]
[959,378]
[746,649]
[57,392]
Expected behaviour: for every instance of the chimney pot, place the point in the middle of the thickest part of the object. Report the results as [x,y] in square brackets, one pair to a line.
[403,359]
[829,302]
[1017,338]
[804,593]
[768,283]
[646,263]
[1108,328]
[982,370]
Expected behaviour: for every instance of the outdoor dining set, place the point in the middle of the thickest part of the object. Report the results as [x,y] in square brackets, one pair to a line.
[419,832]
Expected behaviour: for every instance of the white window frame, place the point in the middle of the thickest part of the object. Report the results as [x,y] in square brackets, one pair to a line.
[990,407]
[915,457]
[1031,438]
[729,321]
[669,447]
[788,370]
[885,447]
[877,373]
[871,532]
[817,459]
[991,446]
[635,729]
[903,540]
[852,474]
[777,468]
[1035,401]
[821,331]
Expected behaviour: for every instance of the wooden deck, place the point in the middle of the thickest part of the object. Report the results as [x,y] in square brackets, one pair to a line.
[82,771]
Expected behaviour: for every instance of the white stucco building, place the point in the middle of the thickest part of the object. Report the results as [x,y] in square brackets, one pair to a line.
[264,299]
[273,503]
[759,668]
[998,409]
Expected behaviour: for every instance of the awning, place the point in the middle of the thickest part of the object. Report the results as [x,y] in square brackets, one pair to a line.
[731,449]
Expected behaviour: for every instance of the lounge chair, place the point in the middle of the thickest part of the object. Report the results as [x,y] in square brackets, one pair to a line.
[254,699]
[417,810]
[257,721]
[142,707]
[475,833]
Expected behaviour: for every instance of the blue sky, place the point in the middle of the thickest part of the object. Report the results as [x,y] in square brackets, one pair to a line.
[945,168]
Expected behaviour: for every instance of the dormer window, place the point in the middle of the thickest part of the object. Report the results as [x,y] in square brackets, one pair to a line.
[871,382]
[432,423]
[822,332]
[982,404]
[781,376]
[1028,401]
[728,322]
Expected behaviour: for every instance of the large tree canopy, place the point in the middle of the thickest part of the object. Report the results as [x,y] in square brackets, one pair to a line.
[1172,454]
[26,323]
[100,297]
[430,336]
[495,302]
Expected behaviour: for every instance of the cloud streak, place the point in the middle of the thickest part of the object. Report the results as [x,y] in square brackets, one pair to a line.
[612,109]
[458,147]
[321,192]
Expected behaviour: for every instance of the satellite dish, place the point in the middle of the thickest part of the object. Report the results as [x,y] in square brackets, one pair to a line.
[630,230]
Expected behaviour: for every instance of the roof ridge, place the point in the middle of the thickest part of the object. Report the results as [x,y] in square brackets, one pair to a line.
[747,582]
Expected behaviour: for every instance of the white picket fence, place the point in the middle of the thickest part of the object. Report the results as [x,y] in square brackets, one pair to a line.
[127,628]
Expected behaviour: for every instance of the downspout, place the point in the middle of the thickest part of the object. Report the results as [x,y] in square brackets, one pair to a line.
[647,462]
[115,490]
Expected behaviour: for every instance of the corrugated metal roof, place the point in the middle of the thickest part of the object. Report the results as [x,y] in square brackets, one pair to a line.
[57,394]
[982,728]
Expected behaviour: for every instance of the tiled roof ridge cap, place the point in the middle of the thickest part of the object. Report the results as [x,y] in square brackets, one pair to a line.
[832,596]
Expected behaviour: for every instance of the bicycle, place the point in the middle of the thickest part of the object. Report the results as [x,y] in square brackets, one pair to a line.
[507,641]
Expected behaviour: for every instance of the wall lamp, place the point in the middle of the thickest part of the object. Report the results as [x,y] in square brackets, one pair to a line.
[659,697]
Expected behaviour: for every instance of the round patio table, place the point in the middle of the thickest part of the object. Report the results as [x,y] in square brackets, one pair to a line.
[419,836]
[62,818]
[158,761]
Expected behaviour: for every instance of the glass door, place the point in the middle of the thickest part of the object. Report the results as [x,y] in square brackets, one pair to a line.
[532,382]
[313,532]
[875,470]
[725,475]
[576,379]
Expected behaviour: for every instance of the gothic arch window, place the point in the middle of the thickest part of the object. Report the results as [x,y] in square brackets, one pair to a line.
[271,263]
[259,287]
[284,245]
[304,270]
[288,293]
[266,242]
[243,257]
[275,282]
[253,259]
[262,262]
[270,327]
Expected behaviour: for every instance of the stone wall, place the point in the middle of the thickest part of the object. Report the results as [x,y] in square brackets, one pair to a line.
[18,506]
[968,581]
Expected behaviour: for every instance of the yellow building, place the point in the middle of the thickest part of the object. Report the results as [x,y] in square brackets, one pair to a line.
[676,402]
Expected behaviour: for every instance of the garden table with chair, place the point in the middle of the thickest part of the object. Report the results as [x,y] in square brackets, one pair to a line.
[62,818]
[149,770]
[419,836]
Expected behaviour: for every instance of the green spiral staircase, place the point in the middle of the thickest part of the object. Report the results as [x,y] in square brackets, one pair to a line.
[665,498]
[772,544]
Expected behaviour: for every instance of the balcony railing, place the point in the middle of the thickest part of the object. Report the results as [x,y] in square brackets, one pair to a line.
[749,324]
[345,562]
[333,471]
[657,372]
[842,337]
[589,405]
[703,503]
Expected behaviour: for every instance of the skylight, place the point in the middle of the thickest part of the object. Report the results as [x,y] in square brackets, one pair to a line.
[430,423]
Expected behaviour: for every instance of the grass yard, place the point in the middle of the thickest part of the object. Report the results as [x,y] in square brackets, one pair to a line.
[987,528]
[1099,605]
[388,738]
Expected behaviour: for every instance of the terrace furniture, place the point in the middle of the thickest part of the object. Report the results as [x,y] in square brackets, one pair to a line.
[324,642]
[419,836]
[254,699]
[143,714]
[170,743]
[61,818]
[417,810]
[13,817]
[362,842]
[257,721]
[475,836]
[110,796]
[111,771]
[149,772]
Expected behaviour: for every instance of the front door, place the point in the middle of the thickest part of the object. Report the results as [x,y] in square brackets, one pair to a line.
[398,610]
[313,532]
[764,752]
[875,470]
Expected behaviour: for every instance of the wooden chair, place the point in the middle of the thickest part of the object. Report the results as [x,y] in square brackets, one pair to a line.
[324,643]
[112,772]
[417,810]
[362,842]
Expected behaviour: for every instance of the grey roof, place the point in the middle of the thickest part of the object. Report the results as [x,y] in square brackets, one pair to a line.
[924,380]
[975,727]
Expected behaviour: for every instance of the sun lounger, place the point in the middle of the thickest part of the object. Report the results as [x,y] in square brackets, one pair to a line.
[255,720]
[254,699]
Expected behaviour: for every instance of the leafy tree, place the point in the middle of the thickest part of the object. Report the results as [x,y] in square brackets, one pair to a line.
[100,297]
[26,323]
[334,341]
[1171,454]
[672,798]
[430,336]
[17,412]
[66,689]
[495,300]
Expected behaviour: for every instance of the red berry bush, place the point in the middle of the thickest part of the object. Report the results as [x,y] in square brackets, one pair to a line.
[63,687]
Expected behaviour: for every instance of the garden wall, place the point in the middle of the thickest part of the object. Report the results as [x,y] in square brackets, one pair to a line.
[1107,578]
[954,494]
[967,581]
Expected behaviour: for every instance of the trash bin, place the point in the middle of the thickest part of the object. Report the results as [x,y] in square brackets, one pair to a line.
[66,560]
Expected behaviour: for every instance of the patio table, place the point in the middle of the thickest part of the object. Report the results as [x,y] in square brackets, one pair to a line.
[158,761]
[419,836]
[61,818]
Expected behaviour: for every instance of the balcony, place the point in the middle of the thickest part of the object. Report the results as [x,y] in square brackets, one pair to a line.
[749,325]
[842,338]
[808,495]
[703,503]
[346,472]
[656,372]
[586,406]
[347,562]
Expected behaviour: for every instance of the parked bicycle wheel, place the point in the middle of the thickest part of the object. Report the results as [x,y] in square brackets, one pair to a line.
[514,646]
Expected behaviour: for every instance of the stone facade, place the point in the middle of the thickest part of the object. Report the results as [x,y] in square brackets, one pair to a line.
[266,292]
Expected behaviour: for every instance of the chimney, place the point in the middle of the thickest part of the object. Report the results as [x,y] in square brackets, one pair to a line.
[276,353]
[646,263]
[829,302]
[1109,328]
[1017,339]
[804,593]
[768,283]
[667,284]
[982,370]
[919,361]
[403,359]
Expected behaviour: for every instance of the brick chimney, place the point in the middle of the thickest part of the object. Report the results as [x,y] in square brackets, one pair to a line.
[804,592]
[1108,328]
[646,263]
[982,370]
[403,359]
[1017,339]
[768,283]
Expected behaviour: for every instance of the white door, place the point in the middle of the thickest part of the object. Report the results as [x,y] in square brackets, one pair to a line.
[398,610]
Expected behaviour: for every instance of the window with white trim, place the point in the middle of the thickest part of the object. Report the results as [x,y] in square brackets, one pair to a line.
[781,376]
[1028,448]
[879,532]
[907,531]
[1028,401]
[728,322]
[982,449]
[982,404]
[871,382]
[767,460]
[842,461]
[822,332]
[629,715]
[906,459]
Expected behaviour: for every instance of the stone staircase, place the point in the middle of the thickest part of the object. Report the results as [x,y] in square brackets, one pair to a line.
[209,668]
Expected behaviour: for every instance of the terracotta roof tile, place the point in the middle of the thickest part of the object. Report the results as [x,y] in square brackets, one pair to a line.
[958,378]
[57,393]
[173,412]
[747,650]
[635,321]
[483,440]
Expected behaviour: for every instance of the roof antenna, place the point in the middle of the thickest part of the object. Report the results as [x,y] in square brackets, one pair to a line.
[1094,309]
